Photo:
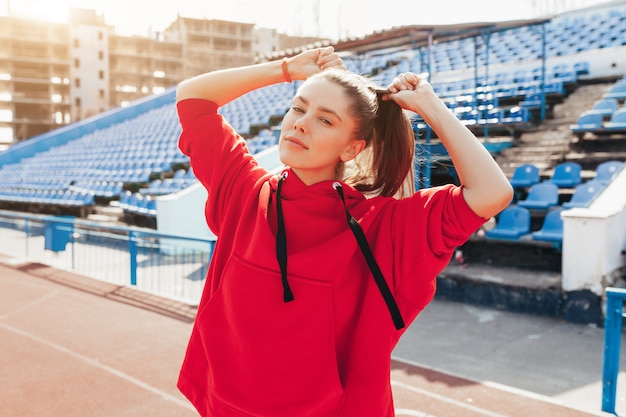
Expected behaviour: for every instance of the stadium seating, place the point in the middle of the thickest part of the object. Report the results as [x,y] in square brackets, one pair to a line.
[566,174]
[512,223]
[584,194]
[605,107]
[618,91]
[588,121]
[605,171]
[552,227]
[141,153]
[617,123]
[541,196]
[525,175]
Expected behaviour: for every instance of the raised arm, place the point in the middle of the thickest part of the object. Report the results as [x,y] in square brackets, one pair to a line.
[485,187]
[223,86]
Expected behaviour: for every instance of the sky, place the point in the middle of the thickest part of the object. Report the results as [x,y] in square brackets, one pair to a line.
[332,19]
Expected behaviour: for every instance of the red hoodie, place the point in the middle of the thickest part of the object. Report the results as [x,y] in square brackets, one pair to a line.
[327,353]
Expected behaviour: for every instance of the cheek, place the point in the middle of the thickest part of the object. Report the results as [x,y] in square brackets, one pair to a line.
[287,123]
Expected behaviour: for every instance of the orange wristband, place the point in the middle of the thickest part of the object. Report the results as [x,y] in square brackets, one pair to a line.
[285,70]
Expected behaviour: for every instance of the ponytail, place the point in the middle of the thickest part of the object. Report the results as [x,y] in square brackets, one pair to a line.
[393,149]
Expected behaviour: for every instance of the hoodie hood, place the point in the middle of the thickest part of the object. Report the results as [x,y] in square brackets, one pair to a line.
[359,235]
[294,188]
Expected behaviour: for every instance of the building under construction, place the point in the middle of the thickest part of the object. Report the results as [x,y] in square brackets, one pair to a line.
[52,74]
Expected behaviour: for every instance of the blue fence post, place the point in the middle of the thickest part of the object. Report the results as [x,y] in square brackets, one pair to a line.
[612,341]
[132,251]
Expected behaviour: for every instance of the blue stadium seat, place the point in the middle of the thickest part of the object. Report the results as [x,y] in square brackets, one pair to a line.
[541,196]
[512,223]
[587,122]
[150,209]
[567,174]
[605,106]
[607,170]
[525,175]
[552,227]
[124,200]
[617,123]
[584,194]
[516,115]
[618,91]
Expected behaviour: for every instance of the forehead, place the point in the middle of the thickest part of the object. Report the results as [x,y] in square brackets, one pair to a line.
[320,92]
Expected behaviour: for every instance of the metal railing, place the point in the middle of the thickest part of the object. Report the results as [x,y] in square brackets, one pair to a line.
[615,311]
[172,266]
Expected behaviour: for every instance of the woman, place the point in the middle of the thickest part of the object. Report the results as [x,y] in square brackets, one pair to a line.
[318,270]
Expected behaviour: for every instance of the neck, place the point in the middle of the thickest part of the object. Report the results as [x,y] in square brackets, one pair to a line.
[311,177]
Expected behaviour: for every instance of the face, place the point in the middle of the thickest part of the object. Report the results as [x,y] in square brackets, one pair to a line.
[318,132]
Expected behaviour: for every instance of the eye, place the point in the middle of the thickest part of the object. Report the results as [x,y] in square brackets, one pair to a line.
[326,121]
[297,109]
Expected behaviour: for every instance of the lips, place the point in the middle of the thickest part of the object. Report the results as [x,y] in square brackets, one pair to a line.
[296,141]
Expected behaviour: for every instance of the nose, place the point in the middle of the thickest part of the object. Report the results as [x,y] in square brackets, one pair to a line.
[299,124]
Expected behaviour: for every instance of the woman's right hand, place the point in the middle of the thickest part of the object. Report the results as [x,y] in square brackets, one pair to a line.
[411,92]
[312,61]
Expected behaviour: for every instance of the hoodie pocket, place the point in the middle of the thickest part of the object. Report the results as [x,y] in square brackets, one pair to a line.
[268,357]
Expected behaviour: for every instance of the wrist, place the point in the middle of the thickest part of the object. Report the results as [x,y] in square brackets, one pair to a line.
[285,69]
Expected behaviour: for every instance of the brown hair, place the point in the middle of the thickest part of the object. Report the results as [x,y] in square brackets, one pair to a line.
[384,167]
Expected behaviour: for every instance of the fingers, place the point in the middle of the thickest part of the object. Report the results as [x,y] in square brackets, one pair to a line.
[406,81]
[328,58]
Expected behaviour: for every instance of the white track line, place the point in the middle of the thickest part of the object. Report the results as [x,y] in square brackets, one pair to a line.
[166,396]
[438,397]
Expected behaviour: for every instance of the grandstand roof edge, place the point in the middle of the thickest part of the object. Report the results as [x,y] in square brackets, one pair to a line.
[419,34]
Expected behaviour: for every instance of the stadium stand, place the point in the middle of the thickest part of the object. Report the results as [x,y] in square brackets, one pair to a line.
[528,109]
[130,162]
[607,116]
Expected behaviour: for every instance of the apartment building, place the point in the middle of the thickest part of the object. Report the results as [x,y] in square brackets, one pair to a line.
[211,44]
[52,74]
[35,77]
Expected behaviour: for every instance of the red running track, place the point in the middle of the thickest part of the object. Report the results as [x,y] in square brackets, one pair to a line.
[74,346]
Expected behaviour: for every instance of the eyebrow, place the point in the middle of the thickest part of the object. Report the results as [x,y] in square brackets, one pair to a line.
[323,109]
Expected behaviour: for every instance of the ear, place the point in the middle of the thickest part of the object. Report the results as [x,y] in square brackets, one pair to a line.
[354,148]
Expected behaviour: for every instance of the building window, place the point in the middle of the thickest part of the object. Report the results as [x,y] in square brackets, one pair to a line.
[78,102]
[76,63]
[77,82]
[100,55]
[101,92]
[100,36]
[76,42]
[101,74]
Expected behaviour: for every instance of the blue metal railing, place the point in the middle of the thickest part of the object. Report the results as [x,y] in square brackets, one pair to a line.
[172,266]
[612,339]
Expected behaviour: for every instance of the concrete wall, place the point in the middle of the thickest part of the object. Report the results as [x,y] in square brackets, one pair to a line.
[182,213]
[594,239]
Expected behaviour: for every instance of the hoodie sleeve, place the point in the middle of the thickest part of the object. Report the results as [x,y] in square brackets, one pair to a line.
[439,220]
[219,158]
